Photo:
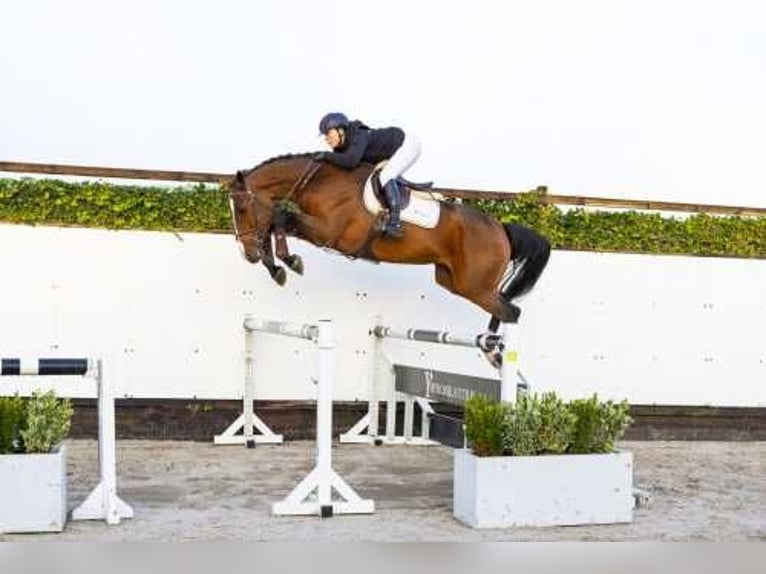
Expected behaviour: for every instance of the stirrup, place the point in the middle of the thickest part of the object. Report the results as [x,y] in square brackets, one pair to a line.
[395,231]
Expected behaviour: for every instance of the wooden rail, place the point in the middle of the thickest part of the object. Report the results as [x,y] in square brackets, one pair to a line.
[550,199]
[113,172]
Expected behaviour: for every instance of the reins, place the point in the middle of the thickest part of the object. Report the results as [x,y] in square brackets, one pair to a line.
[306,176]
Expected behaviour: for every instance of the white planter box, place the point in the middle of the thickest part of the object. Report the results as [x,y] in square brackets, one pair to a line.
[497,492]
[33,492]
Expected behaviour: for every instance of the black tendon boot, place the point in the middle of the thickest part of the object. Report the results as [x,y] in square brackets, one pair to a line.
[393,226]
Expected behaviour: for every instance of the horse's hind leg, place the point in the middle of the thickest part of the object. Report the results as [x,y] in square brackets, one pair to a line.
[510,314]
[499,309]
[504,312]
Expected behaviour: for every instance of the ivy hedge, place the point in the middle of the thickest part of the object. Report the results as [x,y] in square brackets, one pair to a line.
[204,208]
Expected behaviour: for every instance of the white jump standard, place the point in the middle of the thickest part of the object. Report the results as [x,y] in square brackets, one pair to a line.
[248,421]
[102,503]
[314,494]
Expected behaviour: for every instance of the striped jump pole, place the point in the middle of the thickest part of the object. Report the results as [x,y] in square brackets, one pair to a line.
[102,503]
[314,494]
[45,367]
[485,342]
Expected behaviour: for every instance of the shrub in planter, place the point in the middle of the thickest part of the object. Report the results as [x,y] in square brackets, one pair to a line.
[12,421]
[485,422]
[598,424]
[48,420]
[33,466]
[538,425]
[544,424]
[555,464]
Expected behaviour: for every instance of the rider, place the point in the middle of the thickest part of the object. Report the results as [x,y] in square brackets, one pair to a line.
[353,143]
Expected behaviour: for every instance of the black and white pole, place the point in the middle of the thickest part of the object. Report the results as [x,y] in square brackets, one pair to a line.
[45,367]
[102,503]
[314,494]
[485,341]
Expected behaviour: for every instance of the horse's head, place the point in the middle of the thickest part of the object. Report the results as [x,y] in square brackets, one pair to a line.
[253,196]
[250,219]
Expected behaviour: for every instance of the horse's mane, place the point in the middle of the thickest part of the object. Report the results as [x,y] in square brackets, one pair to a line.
[279,158]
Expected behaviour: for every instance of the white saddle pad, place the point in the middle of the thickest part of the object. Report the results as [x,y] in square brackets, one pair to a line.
[422,209]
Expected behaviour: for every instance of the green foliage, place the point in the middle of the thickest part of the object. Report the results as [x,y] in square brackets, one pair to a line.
[599,424]
[538,424]
[48,421]
[631,231]
[205,208]
[99,204]
[521,429]
[557,424]
[484,422]
[544,424]
[13,418]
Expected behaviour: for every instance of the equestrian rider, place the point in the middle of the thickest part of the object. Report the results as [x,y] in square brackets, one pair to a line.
[353,143]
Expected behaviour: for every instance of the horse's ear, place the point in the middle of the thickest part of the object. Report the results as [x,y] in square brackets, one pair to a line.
[240,177]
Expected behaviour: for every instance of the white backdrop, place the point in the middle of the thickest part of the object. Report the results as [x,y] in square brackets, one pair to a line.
[165,313]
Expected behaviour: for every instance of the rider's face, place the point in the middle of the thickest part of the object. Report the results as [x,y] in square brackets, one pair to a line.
[333,138]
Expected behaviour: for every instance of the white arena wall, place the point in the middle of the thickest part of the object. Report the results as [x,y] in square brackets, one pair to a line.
[165,311]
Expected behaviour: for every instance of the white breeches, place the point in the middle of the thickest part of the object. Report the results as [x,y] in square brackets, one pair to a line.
[402,160]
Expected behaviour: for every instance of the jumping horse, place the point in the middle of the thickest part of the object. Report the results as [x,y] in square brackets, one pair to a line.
[474,255]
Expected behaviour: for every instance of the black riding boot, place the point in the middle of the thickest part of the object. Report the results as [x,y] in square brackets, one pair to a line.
[393,226]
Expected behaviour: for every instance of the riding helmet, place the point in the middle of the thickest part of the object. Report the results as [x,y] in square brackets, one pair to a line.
[331,121]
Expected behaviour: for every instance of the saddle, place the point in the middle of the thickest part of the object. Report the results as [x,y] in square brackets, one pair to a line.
[406,188]
[419,205]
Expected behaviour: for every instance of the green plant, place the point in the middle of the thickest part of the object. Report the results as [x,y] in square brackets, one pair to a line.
[557,424]
[48,421]
[538,424]
[13,416]
[544,424]
[598,424]
[521,431]
[484,423]
[205,208]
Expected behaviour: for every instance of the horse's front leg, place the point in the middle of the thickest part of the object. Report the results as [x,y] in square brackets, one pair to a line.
[293,262]
[277,272]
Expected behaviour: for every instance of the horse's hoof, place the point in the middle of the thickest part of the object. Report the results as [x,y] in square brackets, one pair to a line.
[295,263]
[495,358]
[279,275]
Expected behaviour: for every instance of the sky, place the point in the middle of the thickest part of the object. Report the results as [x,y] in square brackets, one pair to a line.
[645,99]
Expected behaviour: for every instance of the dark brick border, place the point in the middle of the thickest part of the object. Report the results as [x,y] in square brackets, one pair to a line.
[192,419]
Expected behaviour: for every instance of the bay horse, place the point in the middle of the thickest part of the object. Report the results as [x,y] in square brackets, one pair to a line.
[474,255]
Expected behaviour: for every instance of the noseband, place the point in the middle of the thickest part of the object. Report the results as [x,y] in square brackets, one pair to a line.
[252,198]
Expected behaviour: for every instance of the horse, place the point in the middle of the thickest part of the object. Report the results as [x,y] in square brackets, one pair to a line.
[474,255]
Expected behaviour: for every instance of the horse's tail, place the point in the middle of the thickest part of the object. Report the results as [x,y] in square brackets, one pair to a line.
[529,253]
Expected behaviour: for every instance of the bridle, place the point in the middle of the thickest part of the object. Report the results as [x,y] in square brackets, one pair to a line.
[252,198]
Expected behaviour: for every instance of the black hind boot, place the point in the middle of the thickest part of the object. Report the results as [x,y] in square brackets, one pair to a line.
[393,226]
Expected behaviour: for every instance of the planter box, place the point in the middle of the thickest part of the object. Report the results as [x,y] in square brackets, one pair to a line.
[497,492]
[33,492]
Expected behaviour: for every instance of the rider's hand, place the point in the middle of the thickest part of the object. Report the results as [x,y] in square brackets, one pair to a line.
[320,156]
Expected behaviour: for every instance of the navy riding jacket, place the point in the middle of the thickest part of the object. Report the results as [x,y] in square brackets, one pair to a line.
[362,144]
